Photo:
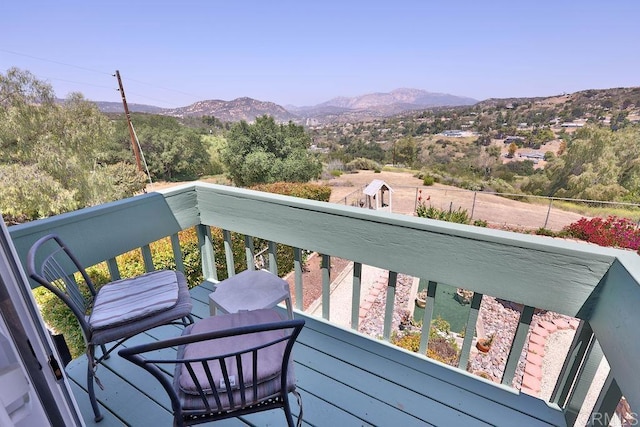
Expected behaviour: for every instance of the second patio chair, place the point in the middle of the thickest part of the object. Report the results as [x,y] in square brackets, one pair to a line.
[225,366]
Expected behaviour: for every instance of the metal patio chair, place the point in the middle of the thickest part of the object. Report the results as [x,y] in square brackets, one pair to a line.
[114,313]
[225,366]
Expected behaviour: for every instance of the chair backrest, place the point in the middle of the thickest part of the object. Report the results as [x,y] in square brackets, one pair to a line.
[52,264]
[221,373]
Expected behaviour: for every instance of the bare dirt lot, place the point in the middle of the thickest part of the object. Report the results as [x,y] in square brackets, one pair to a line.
[499,212]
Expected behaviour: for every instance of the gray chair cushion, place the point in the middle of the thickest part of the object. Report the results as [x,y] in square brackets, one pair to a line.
[181,308]
[121,301]
[269,366]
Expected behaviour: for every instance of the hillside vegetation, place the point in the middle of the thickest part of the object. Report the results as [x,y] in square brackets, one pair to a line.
[58,157]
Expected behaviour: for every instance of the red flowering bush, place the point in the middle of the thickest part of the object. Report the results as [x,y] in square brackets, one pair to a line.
[612,231]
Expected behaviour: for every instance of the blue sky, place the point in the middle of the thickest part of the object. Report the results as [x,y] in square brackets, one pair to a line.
[300,52]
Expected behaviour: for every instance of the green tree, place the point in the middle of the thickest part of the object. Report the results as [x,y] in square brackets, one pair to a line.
[172,151]
[486,160]
[266,152]
[484,140]
[598,164]
[213,145]
[56,150]
[619,120]
[541,136]
[360,149]
[27,193]
[405,151]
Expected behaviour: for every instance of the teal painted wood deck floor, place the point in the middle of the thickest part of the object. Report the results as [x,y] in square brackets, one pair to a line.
[344,379]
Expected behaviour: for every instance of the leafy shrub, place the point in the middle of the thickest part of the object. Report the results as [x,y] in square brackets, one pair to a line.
[545,232]
[336,173]
[409,341]
[459,216]
[439,326]
[304,190]
[471,185]
[28,193]
[502,186]
[443,350]
[612,231]
[361,163]
[441,347]
[480,223]
[424,174]
[428,180]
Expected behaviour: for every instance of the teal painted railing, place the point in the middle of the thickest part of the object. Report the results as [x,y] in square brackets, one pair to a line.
[600,286]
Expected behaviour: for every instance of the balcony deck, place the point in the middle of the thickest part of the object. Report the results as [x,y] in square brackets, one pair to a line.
[350,379]
[344,380]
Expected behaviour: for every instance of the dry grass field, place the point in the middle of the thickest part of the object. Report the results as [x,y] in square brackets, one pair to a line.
[498,211]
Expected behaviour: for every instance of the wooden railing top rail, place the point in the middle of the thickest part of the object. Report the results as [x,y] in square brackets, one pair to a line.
[105,231]
[551,274]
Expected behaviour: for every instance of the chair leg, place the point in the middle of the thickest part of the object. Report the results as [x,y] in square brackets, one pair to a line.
[287,410]
[105,355]
[90,384]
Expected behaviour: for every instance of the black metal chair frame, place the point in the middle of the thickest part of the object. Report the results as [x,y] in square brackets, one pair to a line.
[208,413]
[56,271]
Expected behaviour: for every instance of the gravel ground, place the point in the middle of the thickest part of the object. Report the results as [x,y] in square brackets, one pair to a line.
[497,317]
[501,318]
[556,350]
[373,322]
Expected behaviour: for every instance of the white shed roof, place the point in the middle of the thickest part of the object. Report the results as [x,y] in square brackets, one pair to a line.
[375,185]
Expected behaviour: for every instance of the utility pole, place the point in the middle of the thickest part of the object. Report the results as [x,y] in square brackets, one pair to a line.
[134,143]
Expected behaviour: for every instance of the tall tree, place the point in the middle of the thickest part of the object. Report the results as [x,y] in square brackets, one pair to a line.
[405,151]
[265,152]
[50,152]
[599,164]
[172,151]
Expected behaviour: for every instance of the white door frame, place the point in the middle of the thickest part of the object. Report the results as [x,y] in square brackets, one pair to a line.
[41,394]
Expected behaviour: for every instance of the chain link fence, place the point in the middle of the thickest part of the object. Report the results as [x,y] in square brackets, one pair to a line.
[501,210]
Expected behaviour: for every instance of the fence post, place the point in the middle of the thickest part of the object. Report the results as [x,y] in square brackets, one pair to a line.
[415,201]
[548,212]
[473,206]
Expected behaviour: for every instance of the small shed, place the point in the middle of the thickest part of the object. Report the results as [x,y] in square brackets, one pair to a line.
[375,195]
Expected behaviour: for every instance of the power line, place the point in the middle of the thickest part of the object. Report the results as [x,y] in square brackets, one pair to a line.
[79,83]
[54,62]
[151,98]
[163,88]
[102,72]
[106,87]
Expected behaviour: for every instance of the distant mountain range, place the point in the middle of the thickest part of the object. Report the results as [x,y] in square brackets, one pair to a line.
[232,111]
[116,107]
[368,106]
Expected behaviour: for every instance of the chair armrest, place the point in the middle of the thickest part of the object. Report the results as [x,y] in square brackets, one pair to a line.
[296,324]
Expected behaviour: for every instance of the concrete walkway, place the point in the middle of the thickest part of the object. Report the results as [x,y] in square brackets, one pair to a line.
[373,280]
[537,356]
